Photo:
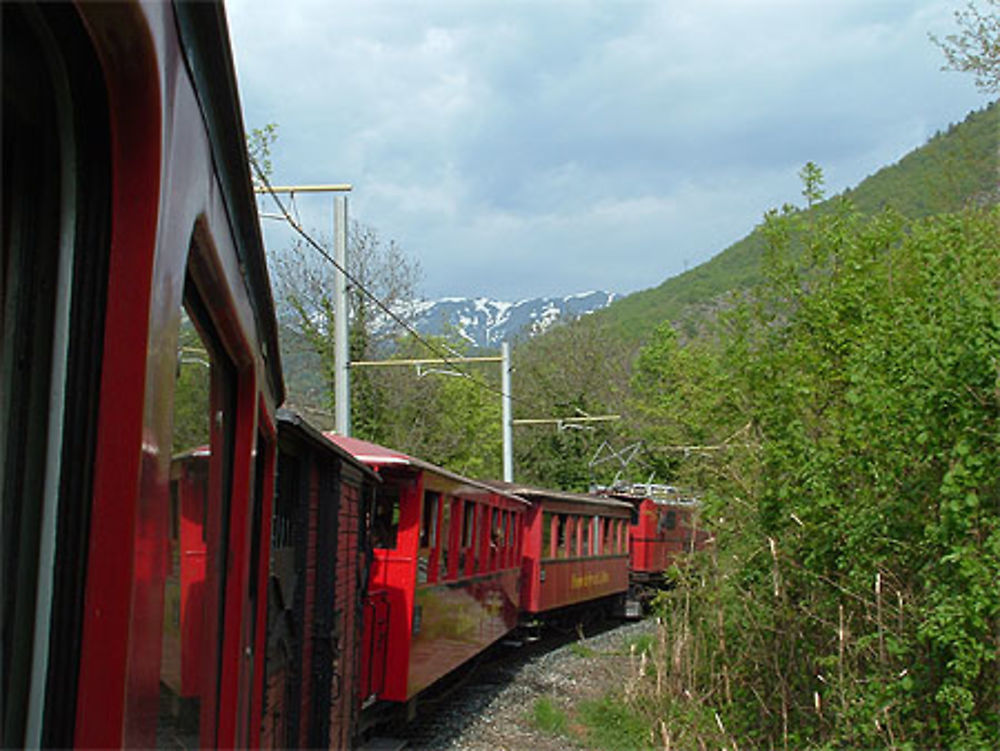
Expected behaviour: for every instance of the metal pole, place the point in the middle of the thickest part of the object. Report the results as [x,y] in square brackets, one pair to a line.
[341,354]
[508,437]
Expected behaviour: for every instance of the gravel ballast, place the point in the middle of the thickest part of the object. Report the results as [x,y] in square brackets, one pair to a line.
[492,709]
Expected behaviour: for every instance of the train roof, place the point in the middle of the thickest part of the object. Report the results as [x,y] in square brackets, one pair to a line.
[380,456]
[204,36]
[661,495]
[294,422]
[532,493]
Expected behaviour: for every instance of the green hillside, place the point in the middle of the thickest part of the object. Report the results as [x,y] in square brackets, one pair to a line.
[953,169]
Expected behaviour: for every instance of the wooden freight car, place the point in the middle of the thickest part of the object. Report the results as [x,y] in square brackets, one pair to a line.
[320,551]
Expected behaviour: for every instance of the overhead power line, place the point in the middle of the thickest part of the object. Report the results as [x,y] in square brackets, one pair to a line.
[449,357]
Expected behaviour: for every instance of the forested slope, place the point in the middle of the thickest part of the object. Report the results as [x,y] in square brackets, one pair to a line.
[953,169]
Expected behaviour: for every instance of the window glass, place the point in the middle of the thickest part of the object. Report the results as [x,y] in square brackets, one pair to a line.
[668,521]
[478,526]
[609,525]
[465,541]
[285,501]
[428,535]
[571,536]
[445,537]
[496,539]
[586,537]
[184,670]
[385,519]
[428,522]
[547,534]
[561,542]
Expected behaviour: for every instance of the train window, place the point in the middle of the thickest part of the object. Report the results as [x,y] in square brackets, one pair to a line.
[175,522]
[286,501]
[514,547]
[444,562]
[668,521]
[571,533]
[204,386]
[546,551]
[385,519]
[509,536]
[495,541]
[428,522]
[561,543]
[607,546]
[585,536]
[476,543]
[428,535]
[470,550]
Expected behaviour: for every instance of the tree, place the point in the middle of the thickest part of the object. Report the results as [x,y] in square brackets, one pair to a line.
[304,285]
[850,599]
[976,48]
[576,369]
[382,276]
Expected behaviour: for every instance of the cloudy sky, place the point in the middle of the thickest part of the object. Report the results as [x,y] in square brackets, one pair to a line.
[519,148]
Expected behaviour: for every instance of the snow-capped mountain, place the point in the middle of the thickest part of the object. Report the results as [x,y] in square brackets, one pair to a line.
[486,323]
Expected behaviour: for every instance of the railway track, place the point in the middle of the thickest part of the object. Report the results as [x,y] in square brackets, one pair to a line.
[488,704]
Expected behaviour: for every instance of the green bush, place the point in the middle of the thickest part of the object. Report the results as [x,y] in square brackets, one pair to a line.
[853,407]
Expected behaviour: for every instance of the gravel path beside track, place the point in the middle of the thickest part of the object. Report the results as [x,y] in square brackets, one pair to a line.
[492,709]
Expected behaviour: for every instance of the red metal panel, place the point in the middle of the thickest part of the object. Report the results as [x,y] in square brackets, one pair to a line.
[531,556]
[399,577]
[127,53]
[232,683]
[572,581]
[157,199]
[456,622]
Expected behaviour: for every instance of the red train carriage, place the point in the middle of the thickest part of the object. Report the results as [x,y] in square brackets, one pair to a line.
[319,566]
[575,549]
[445,579]
[137,323]
[665,526]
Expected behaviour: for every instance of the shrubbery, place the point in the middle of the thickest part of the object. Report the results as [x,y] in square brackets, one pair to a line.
[851,406]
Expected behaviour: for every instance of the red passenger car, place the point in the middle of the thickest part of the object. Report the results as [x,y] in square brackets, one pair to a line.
[665,526]
[319,566]
[445,581]
[137,325]
[575,550]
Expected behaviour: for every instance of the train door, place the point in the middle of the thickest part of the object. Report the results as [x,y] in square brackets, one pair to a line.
[53,289]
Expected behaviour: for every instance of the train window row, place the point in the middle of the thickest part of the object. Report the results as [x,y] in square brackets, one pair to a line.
[578,536]
[460,537]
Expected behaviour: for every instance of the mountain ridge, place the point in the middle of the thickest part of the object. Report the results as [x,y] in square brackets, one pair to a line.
[485,322]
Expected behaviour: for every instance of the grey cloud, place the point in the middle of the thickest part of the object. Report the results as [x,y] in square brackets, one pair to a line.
[493,137]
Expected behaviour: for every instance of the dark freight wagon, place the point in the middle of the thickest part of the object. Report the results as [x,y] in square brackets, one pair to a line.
[320,552]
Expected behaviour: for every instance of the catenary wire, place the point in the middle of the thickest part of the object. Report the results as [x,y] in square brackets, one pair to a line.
[448,356]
